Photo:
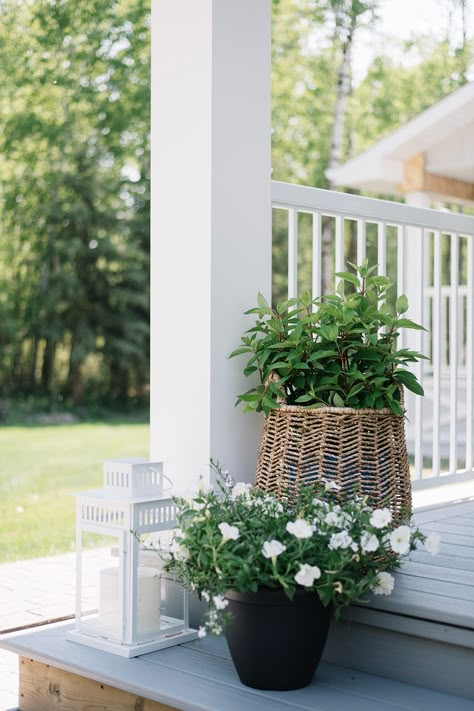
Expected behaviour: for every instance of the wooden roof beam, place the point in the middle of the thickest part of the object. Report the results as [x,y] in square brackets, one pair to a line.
[417,179]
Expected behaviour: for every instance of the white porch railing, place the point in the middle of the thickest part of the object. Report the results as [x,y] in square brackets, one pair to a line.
[429,255]
[445,311]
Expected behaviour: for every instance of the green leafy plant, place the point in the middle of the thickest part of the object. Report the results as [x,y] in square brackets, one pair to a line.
[338,351]
[243,539]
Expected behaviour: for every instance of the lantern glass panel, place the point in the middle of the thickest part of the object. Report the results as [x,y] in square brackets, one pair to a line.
[172,603]
[101,593]
[171,598]
[148,603]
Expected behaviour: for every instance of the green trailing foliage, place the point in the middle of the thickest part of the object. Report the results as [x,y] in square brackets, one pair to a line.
[240,538]
[339,350]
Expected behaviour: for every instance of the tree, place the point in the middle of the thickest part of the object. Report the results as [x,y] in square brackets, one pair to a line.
[75,204]
[348,17]
[391,94]
[320,119]
[457,33]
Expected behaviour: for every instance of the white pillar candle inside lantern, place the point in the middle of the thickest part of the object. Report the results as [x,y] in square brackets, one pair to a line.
[119,586]
[148,599]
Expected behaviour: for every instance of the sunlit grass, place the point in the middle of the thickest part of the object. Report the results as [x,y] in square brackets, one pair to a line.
[40,467]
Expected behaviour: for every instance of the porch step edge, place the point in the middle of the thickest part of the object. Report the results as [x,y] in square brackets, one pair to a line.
[419,627]
[414,651]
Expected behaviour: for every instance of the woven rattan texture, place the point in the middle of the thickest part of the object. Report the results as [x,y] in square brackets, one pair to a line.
[363,451]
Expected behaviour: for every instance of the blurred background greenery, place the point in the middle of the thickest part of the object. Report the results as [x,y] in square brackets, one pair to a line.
[74,203]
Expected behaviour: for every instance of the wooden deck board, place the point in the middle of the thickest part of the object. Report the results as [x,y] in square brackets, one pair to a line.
[437,572]
[428,606]
[457,550]
[331,675]
[438,588]
[442,511]
[451,524]
[44,687]
[458,537]
[444,560]
[405,581]
[444,527]
[460,521]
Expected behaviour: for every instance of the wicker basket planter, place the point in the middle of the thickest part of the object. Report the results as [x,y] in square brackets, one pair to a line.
[363,451]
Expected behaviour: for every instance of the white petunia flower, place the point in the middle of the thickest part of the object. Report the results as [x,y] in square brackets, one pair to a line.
[340,540]
[300,528]
[229,533]
[241,489]
[179,551]
[330,485]
[220,603]
[307,574]
[196,506]
[271,549]
[271,505]
[433,543]
[369,542]
[202,632]
[338,519]
[205,595]
[400,540]
[384,584]
[203,487]
[333,518]
[381,518]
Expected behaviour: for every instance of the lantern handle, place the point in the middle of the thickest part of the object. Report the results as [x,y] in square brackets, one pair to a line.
[170,488]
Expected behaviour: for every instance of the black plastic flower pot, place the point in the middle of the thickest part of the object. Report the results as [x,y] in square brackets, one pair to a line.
[276,643]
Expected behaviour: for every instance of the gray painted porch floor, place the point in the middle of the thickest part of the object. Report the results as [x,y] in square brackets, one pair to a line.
[434,593]
[438,588]
[199,676]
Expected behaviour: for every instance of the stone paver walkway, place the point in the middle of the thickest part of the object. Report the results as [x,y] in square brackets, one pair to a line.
[8,680]
[36,591]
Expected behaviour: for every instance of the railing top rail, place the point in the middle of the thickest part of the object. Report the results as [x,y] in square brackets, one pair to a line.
[446,290]
[304,198]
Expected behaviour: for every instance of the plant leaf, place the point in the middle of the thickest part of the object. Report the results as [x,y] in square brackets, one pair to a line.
[347,276]
[408,323]
[401,304]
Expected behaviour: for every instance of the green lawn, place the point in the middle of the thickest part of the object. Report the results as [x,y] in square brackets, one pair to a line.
[40,466]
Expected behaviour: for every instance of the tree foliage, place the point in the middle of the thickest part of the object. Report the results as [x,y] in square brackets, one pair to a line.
[75,196]
[310,43]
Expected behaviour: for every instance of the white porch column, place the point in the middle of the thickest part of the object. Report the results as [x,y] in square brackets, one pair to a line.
[211,226]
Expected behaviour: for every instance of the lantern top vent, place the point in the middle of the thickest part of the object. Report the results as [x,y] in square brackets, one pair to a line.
[132,477]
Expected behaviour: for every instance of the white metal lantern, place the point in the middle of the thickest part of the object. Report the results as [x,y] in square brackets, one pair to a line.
[125,604]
